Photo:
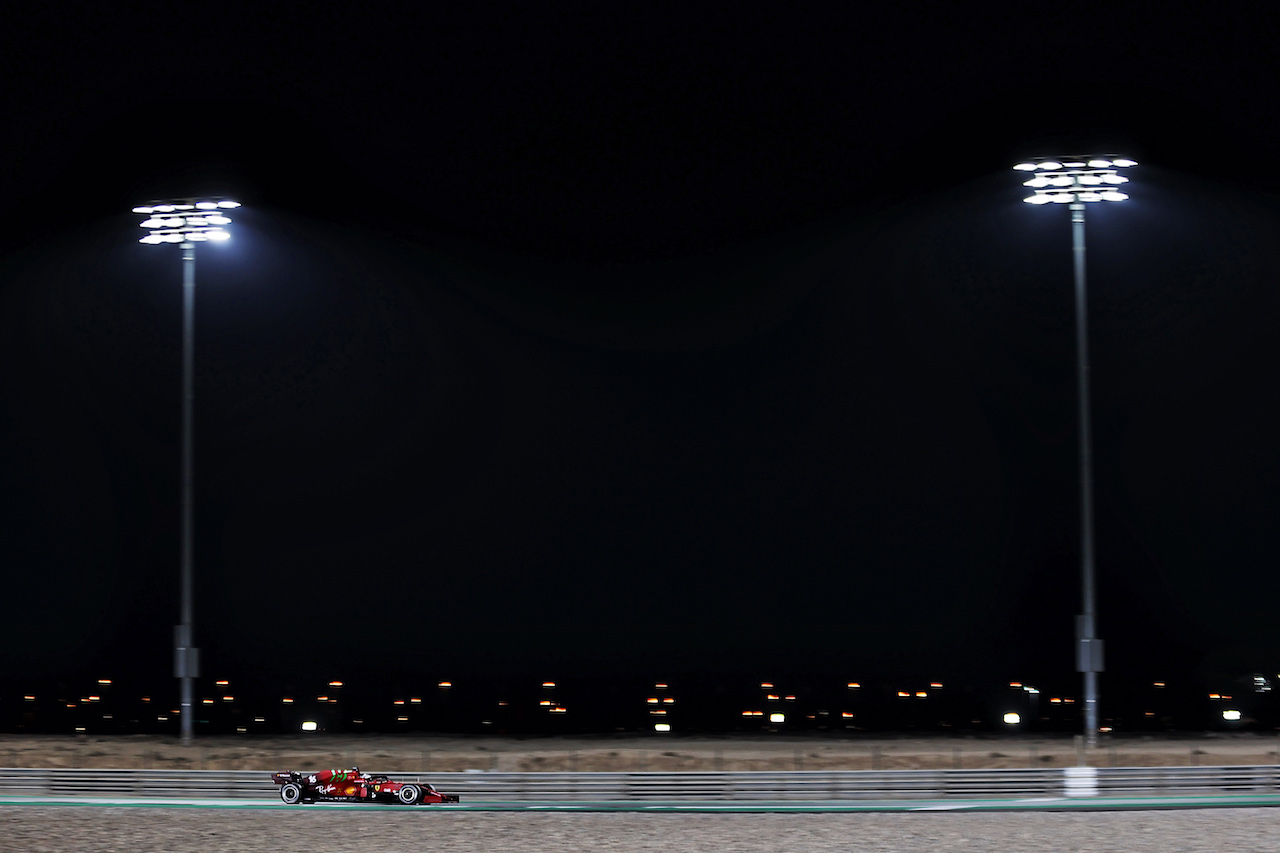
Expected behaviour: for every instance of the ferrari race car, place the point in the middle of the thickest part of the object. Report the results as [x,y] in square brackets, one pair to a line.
[354,787]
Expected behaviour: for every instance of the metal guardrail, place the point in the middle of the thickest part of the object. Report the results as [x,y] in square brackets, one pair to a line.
[797,786]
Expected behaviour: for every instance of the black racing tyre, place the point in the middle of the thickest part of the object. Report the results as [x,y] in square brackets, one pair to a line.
[291,793]
[409,794]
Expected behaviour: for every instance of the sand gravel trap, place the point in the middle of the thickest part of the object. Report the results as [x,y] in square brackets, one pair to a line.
[50,829]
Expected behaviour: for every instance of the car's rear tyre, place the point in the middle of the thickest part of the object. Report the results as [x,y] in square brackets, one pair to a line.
[409,794]
[291,793]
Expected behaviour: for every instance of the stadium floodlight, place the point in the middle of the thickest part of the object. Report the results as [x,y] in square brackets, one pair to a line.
[186,222]
[1078,181]
[1075,177]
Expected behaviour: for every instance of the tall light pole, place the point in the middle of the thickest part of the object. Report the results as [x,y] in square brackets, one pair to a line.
[1076,181]
[187,222]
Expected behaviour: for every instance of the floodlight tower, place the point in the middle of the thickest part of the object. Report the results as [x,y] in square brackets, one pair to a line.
[1076,181]
[186,222]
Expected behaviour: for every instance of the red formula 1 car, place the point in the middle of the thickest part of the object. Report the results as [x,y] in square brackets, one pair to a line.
[354,787]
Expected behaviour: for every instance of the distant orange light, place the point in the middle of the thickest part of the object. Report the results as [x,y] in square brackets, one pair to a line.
[1056,700]
[669,701]
[445,684]
[1214,696]
[659,712]
[661,685]
[935,685]
[32,698]
[853,685]
[398,702]
[104,680]
[146,698]
[287,701]
[322,698]
[1158,684]
[848,715]
[766,685]
[414,700]
[922,694]
[772,697]
[502,704]
[652,700]
[222,683]
[545,702]
[208,701]
[1015,683]
[228,698]
[789,698]
[335,683]
[548,684]
[1148,713]
[903,693]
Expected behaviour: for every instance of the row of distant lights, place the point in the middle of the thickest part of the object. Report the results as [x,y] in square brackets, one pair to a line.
[1075,180]
[195,221]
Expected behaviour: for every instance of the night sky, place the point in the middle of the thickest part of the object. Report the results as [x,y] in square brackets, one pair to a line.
[588,340]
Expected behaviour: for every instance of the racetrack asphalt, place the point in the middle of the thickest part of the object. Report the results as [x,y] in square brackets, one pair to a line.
[694,807]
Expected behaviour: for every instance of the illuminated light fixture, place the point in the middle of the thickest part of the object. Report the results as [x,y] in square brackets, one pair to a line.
[186,222]
[935,685]
[1056,701]
[322,698]
[208,701]
[545,702]
[772,697]
[228,698]
[222,683]
[920,694]
[658,712]
[287,701]
[853,685]
[1157,684]
[903,693]
[445,685]
[1062,181]
[104,680]
[1012,718]
[335,683]
[194,227]
[310,726]
[652,700]
[789,698]
[662,727]
[1077,181]
[559,709]
[777,718]
[1215,696]
[30,698]
[766,685]
[661,685]
[1231,716]
[669,701]
[548,685]
[848,715]
[415,700]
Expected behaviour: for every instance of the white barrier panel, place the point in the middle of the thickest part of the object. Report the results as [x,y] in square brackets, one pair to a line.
[798,786]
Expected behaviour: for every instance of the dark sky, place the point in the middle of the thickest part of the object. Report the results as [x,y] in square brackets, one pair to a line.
[660,339]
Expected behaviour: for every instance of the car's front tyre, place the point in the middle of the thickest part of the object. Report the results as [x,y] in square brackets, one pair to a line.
[409,794]
[291,793]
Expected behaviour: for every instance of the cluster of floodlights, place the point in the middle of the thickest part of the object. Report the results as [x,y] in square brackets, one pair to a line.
[186,221]
[1070,180]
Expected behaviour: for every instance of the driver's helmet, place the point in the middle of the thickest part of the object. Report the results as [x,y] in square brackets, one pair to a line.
[355,771]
